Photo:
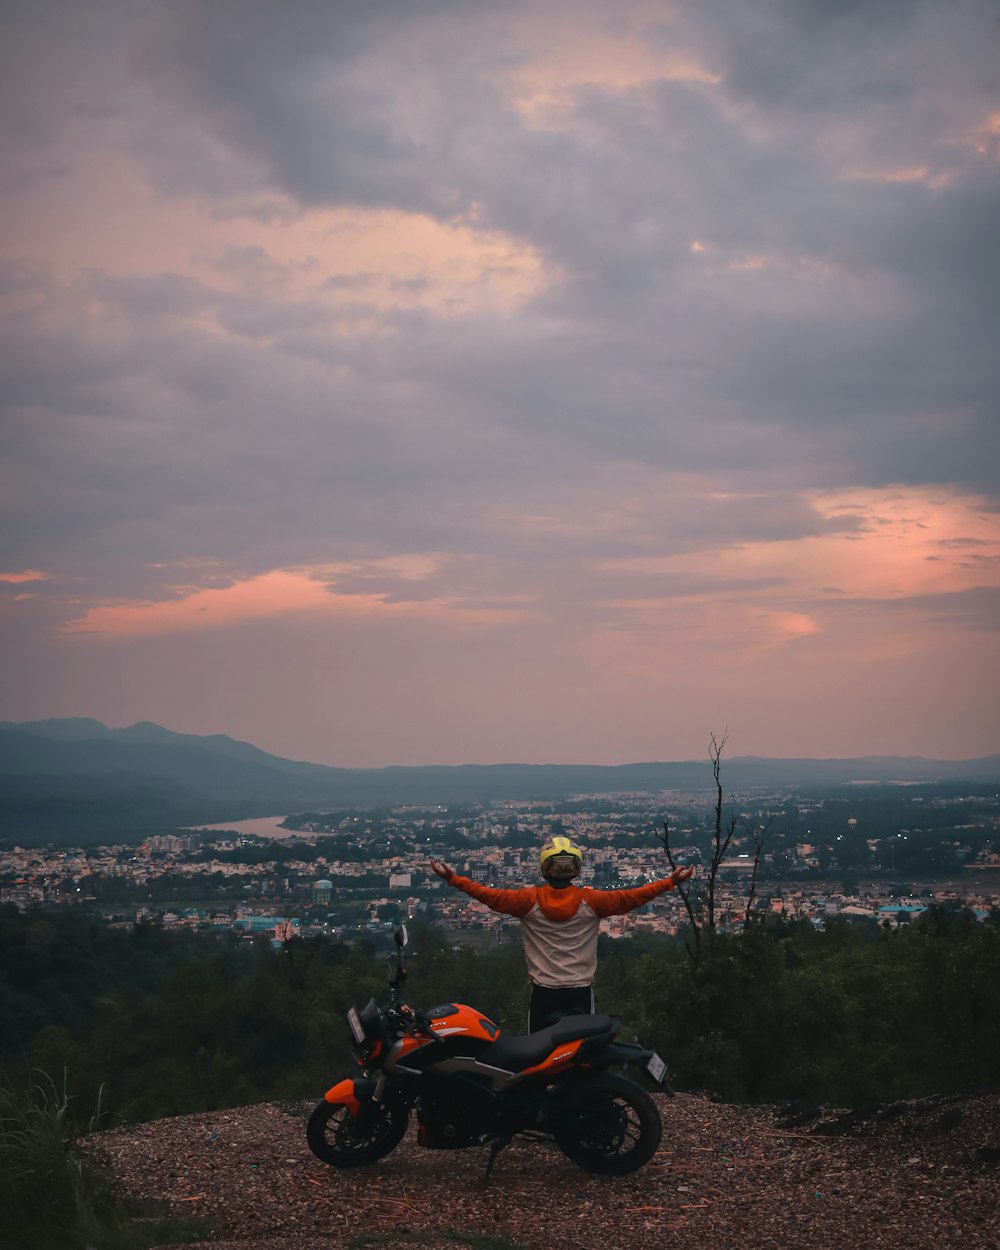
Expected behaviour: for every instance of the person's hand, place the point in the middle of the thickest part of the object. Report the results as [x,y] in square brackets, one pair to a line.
[442,870]
[682,874]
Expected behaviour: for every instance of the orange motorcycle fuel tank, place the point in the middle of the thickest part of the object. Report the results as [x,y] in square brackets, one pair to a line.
[457,1030]
[458,1020]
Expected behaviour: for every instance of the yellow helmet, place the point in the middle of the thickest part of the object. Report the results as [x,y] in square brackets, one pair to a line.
[560,859]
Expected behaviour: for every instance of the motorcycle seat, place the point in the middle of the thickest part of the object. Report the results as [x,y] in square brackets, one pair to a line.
[514,1054]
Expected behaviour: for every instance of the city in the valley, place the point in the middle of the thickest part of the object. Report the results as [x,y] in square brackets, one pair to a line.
[872,854]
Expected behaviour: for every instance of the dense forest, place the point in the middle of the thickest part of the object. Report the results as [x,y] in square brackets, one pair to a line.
[144,1023]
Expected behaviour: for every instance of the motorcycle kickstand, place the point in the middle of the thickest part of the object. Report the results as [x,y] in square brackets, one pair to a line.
[496,1145]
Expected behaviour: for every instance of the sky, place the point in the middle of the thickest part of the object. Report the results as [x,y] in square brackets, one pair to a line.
[478,381]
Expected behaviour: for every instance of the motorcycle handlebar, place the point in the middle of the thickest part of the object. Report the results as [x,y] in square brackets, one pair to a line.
[425,1023]
[412,1017]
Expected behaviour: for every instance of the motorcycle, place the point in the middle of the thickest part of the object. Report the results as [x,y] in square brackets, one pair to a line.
[471,1085]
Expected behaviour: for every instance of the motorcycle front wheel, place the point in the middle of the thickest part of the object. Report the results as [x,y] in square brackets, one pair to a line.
[611,1128]
[334,1135]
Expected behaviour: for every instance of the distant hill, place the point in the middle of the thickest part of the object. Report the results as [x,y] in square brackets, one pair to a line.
[77,778]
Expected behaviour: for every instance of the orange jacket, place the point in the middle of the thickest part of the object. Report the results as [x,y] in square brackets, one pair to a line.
[560,926]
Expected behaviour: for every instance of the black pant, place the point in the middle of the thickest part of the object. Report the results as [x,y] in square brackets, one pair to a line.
[548,1000]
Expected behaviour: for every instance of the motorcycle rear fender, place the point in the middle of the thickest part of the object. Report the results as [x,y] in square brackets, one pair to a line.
[352,1093]
[620,1053]
[617,1053]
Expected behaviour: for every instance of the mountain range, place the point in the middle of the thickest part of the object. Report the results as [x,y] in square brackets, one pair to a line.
[75,777]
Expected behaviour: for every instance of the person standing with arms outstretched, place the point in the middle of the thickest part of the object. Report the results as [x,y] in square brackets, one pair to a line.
[560,923]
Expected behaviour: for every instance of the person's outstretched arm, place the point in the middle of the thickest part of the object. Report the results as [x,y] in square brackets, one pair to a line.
[507,902]
[618,902]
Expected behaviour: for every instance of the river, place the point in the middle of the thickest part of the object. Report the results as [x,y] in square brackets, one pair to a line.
[259,827]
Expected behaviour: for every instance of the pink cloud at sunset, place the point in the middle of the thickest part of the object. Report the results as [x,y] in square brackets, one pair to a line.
[986,138]
[887,544]
[570,59]
[331,258]
[272,594]
[282,593]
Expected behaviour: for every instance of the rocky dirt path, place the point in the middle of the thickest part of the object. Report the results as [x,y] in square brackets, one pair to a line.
[926,1177]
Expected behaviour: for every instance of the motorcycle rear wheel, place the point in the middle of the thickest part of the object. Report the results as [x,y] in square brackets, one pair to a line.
[613,1129]
[333,1136]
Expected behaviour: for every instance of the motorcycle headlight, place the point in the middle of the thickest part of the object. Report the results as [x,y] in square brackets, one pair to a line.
[357,1031]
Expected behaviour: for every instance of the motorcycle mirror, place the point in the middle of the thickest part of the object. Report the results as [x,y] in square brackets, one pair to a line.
[400,937]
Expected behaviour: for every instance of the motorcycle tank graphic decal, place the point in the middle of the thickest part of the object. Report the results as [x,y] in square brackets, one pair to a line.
[458,1018]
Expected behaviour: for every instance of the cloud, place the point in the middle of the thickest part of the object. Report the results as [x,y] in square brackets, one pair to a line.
[331,103]
[384,587]
[656,326]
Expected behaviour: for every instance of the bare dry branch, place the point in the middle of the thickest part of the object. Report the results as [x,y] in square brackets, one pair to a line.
[694,947]
[759,834]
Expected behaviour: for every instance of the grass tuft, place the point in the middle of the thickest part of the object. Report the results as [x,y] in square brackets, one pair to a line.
[51,1197]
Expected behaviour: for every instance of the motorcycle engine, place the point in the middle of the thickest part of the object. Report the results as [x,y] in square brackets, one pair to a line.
[448,1119]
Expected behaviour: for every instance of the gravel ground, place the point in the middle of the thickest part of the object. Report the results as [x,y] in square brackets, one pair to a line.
[919,1176]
